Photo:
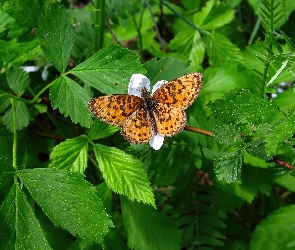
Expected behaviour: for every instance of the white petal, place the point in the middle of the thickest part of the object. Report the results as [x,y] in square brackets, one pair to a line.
[156,142]
[45,74]
[29,69]
[158,85]
[137,82]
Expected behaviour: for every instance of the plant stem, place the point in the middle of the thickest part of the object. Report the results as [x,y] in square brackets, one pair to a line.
[14,148]
[199,130]
[99,23]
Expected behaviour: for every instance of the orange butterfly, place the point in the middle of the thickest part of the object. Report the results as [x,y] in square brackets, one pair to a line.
[142,115]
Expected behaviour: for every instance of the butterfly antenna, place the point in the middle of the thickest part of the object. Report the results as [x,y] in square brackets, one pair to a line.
[159,73]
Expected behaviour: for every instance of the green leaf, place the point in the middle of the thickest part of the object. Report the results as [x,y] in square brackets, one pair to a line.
[148,228]
[19,227]
[124,174]
[220,49]
[71,155]
[22,116]
[18,80]
[285,100]
[68,201]
[172,68]
[108,66]
[100,130]
[228,166]
[244,108]
[106,196]
[71,99]
[276,231]
[16,52]
[189,46]
[228,135]
[283,130]
[4,20]
[56,36]
[214,15]
[256,148]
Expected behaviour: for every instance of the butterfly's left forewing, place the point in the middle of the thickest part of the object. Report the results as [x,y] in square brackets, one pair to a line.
[114,109]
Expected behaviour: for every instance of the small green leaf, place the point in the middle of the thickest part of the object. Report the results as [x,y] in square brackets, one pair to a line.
[18,80]
[42,108]
[245,108]
[100,130]
[124,174]
[4,20]
[276,231]
[283,131]
[256,148]
[214,15]
[69,201]
[148,228]
[19,227]
[71,99]
[108,66]
[228,166]
[285,100]
[220,49]
[22,116]
[71,155]
[56,36]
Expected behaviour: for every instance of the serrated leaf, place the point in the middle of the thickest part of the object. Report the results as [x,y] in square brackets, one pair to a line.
[214,15]
[221,49]
[71,99]
[256,148]
[4,20]
[282,131]
[110,65]
[276,231]
[69,201]
[16,52]
[189,45]
[124,174]
[56,36]
[228,166]
[245,108]
[19,227]
[148,228]
[101,130]
[71,155]
[18,80]
[228,135]
[22,116]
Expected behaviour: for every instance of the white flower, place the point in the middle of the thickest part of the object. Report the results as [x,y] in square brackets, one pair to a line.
[136,84]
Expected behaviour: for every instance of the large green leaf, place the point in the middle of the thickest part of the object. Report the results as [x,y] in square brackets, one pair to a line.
[214,15]
[18,80]
[68,201]
[148,228]
[71,155]
[71,99]
[108,66]
[276,231]
[6,169]
[245,108]
[19,227]
[124,174]
[56,36]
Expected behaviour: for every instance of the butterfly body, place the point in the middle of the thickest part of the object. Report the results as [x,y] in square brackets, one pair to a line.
[141,118]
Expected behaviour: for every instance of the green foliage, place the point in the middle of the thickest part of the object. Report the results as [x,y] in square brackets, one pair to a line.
[69,181]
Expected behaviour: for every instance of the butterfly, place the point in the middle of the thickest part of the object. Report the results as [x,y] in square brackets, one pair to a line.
[142,115]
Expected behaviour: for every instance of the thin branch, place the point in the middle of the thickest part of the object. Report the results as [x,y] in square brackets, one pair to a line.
[284,164]
[199,130]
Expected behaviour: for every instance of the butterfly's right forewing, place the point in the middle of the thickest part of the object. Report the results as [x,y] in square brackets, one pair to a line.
[114,109]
